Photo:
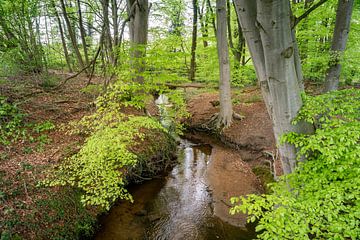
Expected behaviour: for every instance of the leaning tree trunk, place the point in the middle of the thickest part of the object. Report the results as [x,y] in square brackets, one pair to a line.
[340,36]
[63,41]
[267,30]
[82,33]
[72,35]
[193,42]
[226,112]
[138,12]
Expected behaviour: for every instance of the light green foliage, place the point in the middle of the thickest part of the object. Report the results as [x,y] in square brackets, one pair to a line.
[11,122]
[98,168]
[314,36]
[321,199]
[13,126]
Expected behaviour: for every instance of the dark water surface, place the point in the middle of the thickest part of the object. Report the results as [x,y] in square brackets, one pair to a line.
[176,207]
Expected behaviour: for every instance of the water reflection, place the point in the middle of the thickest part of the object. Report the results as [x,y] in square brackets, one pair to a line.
[178,207]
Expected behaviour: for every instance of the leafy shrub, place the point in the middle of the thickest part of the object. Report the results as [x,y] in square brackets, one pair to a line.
[321,199]
[11,122]
[98,168]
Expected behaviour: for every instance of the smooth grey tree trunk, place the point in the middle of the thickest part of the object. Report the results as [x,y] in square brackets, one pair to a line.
[138,11]
[267,30]
[193,42]
[340,36]
[226,112]
[246,12]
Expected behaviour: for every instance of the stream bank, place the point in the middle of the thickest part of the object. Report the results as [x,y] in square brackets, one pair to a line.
[178,206]
[244,156]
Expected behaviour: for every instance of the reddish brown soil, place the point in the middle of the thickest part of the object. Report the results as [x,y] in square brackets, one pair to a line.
[59,107]
[246,145]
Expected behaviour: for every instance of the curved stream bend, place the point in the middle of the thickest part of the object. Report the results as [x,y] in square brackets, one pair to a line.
[176,207]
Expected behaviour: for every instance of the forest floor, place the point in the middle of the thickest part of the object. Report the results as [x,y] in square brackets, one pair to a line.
[241,163]
[26,210]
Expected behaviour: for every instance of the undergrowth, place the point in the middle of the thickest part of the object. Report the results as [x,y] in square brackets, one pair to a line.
[110,151]
[321,199]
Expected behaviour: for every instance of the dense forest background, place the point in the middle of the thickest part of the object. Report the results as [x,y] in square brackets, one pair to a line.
[38,36]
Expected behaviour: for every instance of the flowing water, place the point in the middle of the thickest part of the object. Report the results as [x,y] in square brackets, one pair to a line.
[179,206]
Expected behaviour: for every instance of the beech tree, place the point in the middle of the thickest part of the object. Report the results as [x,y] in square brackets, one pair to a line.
[138,13]
[193,41]
[226,112]
[268,32]
[341,32]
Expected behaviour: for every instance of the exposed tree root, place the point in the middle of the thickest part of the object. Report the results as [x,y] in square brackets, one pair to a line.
[216,123]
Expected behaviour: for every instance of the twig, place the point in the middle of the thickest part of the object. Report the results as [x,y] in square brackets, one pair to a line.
[82,70]
[305,14]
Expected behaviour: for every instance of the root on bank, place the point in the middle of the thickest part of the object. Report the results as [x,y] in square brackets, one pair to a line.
[218,122]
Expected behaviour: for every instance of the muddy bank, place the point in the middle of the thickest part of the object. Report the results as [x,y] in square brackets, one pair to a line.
[247,147]
[178,206]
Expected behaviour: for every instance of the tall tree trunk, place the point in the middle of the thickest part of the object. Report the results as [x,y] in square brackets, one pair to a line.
[267,30]
[82,33]
[241,40]
[340,36]
[72,35]
[107,33]
[210,11]
[246,12]
[63,41]
[115,18]
[203,24]
[138,12]
[226,112]
[193,42]
[235,50]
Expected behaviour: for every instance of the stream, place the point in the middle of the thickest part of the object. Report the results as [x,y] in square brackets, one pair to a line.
[178,206]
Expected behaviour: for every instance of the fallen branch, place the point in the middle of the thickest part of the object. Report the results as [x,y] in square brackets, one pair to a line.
[82,70]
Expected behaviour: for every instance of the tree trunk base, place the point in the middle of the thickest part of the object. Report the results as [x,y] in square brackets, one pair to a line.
[218,123]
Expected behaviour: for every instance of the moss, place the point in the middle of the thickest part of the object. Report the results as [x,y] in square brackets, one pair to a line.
[265,176]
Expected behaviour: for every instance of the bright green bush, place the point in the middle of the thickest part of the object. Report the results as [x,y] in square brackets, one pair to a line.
[11,122]
[321,199]
[98,168]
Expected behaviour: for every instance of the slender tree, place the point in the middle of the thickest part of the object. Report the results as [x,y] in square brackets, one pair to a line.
[62,36]
[226,112]
[72,35]
[193,41]
[340,36]
[82,33]
[138,13]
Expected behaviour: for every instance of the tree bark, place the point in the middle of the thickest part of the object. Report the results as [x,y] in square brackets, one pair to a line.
[210,11]
[82,33]
[226,112]
[236,51]
[267,30]
[193,42]
[107,34]
[340,36]
[72,35]
[203,24]
[246,12]
[63,41]
[138,12]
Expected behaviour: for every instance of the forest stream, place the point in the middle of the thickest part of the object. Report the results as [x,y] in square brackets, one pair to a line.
[178,206]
